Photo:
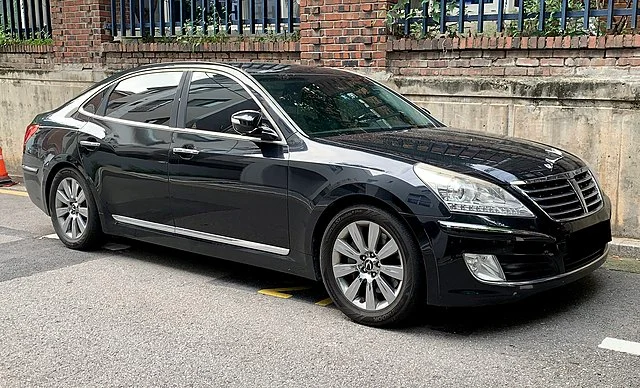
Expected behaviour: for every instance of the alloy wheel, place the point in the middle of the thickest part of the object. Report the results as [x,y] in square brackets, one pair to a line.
[368,271]
[72,211]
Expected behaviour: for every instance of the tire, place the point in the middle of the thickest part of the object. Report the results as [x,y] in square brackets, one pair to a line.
[80,210]
[380,274]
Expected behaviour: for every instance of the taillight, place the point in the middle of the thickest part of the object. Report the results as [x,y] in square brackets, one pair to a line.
[31,129]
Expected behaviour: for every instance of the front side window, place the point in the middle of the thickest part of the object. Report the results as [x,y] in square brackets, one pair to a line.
[335,104]
[213,98]
[146,98]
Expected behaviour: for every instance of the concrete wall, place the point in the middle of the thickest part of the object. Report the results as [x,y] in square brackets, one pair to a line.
[597,119]
[24,94]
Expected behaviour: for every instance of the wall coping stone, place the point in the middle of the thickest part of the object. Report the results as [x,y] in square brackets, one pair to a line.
[507,43]
[26,49]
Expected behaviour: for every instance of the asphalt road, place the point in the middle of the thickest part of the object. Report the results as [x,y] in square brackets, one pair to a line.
[136,315]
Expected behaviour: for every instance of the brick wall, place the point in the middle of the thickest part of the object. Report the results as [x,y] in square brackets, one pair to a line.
[506,56]
[117,56]
[26,57]
[343,33]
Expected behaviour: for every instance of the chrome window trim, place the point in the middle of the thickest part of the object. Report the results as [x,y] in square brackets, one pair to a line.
[529,283]
[222,70]
[495,229]
[202,235]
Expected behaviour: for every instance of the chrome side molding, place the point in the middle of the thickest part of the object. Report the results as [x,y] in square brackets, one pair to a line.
[202,235]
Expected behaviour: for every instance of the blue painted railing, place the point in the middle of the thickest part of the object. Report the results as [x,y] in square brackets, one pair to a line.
[25,19]
[168,18]
[448,15]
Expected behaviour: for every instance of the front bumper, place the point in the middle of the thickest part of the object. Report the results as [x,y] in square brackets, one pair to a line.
[533,259]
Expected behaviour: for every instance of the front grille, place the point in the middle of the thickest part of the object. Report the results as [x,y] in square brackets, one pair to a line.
[565,196]
[527,267]
[585,246]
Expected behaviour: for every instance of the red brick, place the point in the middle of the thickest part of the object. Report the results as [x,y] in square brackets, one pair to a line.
[527,62]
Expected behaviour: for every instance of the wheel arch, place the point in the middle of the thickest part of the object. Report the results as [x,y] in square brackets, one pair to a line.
[379,198]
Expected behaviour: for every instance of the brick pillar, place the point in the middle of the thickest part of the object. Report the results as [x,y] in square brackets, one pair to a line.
[343,33]
[79,30]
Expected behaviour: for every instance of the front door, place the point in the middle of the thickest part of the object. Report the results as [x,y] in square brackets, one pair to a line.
[226,187]
[125,147]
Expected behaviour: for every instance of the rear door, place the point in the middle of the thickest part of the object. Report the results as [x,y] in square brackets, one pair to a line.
[226,187]
[125,147]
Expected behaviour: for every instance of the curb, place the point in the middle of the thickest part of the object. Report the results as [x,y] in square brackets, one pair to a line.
[625,247]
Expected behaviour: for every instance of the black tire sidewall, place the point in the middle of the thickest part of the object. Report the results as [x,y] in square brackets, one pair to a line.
[412,291]
[93,231]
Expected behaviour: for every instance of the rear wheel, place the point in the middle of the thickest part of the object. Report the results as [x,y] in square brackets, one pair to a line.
[73,211]
[371,266]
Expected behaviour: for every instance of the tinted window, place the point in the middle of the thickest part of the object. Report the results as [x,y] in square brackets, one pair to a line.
[145,98]
[212,100]
[93,104]
[334,104]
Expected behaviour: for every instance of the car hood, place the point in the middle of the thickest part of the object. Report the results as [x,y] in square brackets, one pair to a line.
[501,158]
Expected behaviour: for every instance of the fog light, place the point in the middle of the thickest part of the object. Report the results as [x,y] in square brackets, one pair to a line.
[484,267]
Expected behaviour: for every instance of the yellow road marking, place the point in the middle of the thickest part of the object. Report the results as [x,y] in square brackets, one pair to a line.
[14,192]
[324,302]
[280,292]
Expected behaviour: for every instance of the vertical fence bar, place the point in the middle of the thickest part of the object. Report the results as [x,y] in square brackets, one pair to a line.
[290,16]
[172,18]
[227,15]
[240,20]
[521,16]
[481,16]
[610,15]
[152,18]
[123,19]
[634,14]
[19,21]
[203,16]
[182,17]
[5,19]
[461,16]
[541,16]
[278,15]
[192,8]
[25,14]
[29,17]
[563,15]
[132,18]
[41,23]
[141,16]
[252,14]
[114,25]
[48,14]
[425,13]
[500,20]
[407,25]
[443,14]
[265,15]
[587,8]
[161,14]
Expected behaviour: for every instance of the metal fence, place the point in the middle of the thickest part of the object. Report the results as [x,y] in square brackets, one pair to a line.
[167,18]
[535,17]
[25,19]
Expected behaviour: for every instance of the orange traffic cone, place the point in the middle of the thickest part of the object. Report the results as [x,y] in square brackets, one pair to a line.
[4,176]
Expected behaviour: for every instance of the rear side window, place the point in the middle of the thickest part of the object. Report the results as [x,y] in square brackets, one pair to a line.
[93,104]
[146,98]
[213,98]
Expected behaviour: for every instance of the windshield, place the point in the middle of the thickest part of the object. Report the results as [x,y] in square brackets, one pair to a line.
[336,104]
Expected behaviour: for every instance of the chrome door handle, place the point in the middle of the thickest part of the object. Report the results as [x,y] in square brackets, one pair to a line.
[186,151]
[89,144]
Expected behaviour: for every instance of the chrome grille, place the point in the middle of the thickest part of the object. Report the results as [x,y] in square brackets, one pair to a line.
[564,196]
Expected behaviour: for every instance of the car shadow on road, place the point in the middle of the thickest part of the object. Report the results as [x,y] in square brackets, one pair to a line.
[464,321]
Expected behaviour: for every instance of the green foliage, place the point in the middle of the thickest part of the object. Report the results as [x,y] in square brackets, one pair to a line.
[552,27]
[41,39]
[397,13]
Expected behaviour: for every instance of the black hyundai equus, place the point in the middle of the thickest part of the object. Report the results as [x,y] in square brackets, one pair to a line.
[319,173]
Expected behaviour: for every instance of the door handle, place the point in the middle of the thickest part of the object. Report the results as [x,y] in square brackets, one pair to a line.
[90,145]
[185,151]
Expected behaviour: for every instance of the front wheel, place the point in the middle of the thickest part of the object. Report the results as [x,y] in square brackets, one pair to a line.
[73,211]
[372,266]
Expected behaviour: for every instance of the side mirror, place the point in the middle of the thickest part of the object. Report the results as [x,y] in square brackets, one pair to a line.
[246,121]
[268,134]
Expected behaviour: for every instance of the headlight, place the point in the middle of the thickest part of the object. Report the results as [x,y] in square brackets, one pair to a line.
[462,193]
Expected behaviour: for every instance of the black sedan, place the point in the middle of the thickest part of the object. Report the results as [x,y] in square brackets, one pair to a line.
[320,173]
